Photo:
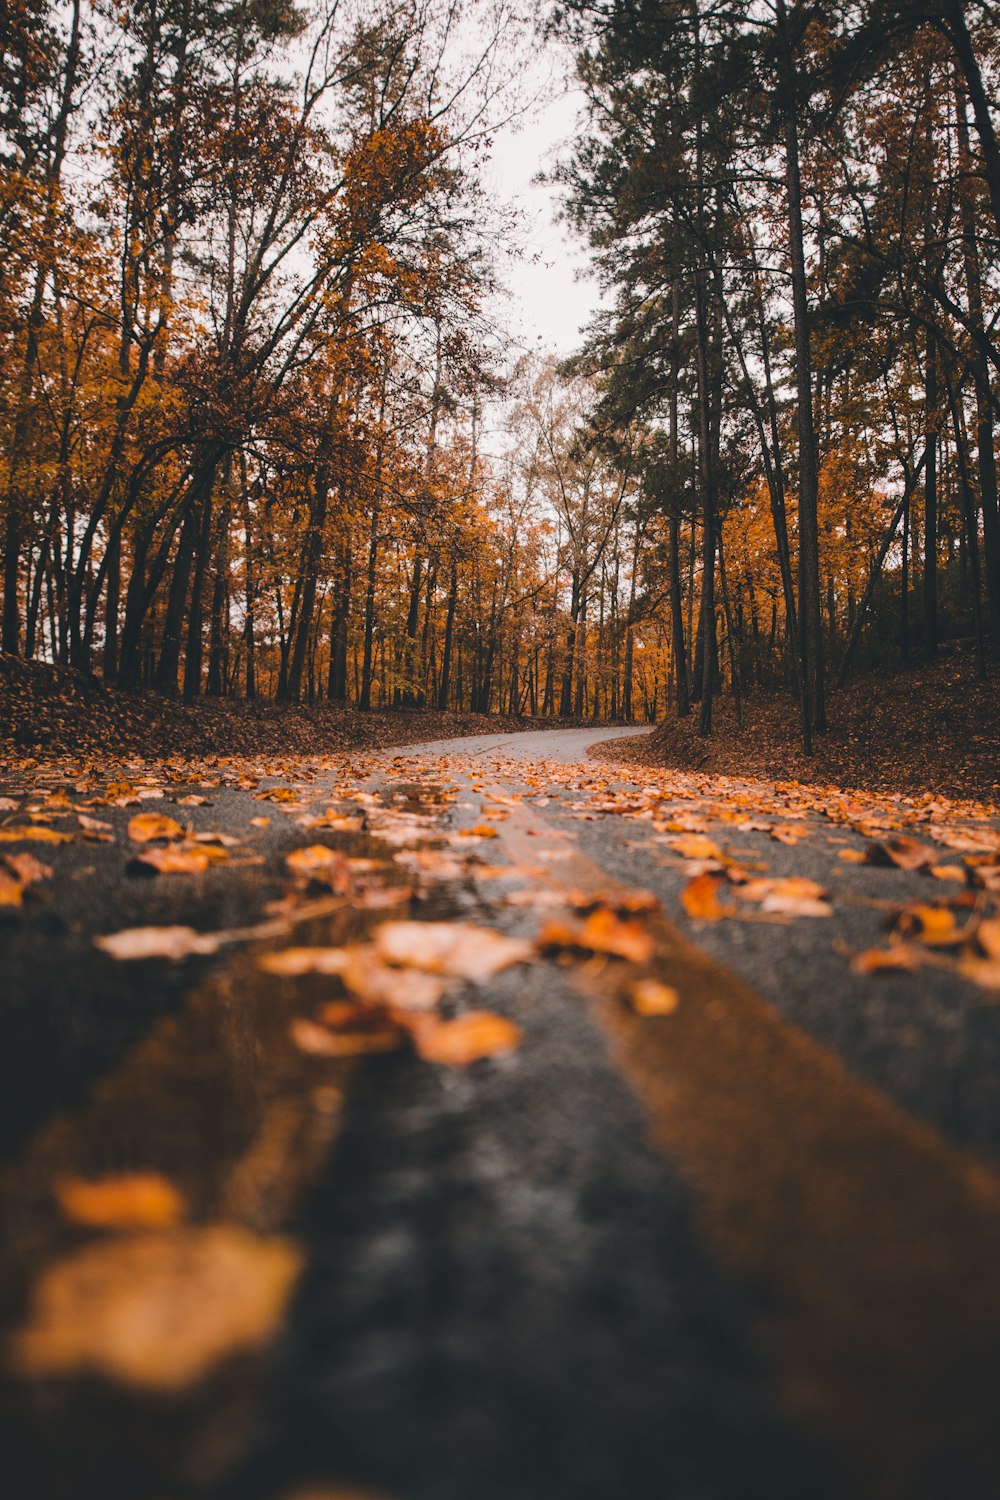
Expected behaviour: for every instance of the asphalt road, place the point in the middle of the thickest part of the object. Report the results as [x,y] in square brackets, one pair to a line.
[748,1249]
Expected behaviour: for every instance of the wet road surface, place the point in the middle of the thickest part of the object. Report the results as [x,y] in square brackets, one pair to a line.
[746,1249]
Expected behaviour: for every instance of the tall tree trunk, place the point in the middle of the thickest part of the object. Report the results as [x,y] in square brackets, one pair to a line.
[810,602]
[930,590]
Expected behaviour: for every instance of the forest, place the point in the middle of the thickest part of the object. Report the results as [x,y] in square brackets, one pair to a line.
[263,434]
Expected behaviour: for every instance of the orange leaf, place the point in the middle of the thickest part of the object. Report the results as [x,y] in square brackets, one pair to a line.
[319,1042]
[699,898]
[33,833]
[905,853]
[879,960]
[26,868]
[459,949]
[322,866]
[157,1310]
[172,860]
[649,997]
[604,932]
[455,1044]
[133,1200]
[145,827]
[932,925]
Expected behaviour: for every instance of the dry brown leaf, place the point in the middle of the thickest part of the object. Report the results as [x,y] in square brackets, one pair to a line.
[319,1041]
[982,971]
[789,834]
[794,896]
[634,902]
[174,859]
[338,822]
[33,833]
[853,856]
[11,890]
[947,872]
[145,827]
[293,962]
[458,949]
[129,1200]
[93,825]
[903,852]
[648,997]
[26,868]
[881,960]
[378,983]
[456,1044]
[605,932]
[700,898]
[696,846]
[933,926]
[988,936]
[602,932]
[157,1311]
[158,942]
[322,866]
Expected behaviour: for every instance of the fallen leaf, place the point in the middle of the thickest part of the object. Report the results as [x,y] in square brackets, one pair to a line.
[988,936]
[321,865]
[33,833]
[903,852]
[101,830]
[605,932]
[932,925]
[648,997]
[157,942]
[296,961]
[459,949]
[696,846]
[456,1044]
[634,902]
[982,971]
[11,890]
[131,1200]
[173,859]
[318,1041]
[879,960]
[157,1311]
[145,827]
[794,896]
[786,834]
[700,898]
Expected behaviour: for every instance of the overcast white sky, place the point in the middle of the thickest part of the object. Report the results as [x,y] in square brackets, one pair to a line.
[550,302]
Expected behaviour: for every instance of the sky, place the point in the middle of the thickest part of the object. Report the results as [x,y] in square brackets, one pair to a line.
[550,301]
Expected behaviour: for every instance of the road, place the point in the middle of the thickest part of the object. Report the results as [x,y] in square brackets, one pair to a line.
[747,1247]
